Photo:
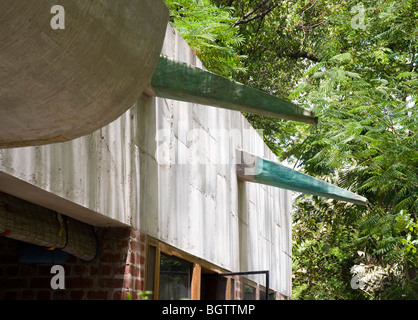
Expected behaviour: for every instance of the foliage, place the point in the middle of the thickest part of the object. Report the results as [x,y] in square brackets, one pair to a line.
[141,295]
[207,29]
[355,64]
[365,95]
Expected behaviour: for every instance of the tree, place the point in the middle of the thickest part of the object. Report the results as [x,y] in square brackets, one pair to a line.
[355,64]
[209,30]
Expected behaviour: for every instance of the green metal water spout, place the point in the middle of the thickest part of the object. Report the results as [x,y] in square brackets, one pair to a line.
[179,81]
[259,170]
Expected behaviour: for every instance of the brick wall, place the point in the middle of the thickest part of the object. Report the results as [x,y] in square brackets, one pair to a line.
[118,269]
[239,288]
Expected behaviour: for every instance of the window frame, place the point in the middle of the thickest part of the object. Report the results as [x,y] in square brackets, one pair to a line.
[198,264]
[251,284]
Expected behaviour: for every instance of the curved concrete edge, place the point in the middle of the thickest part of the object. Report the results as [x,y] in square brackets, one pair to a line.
[60,84]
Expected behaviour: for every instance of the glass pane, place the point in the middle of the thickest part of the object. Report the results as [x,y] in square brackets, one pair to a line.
[249,292]
[262,294]
[213,287]
[175,278]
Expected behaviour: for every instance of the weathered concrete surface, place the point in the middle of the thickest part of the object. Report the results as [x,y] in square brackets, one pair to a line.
[56,85]
[166,168]
[197,203]
[94,179]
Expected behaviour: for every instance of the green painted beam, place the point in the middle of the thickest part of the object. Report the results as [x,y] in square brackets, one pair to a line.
[179,81]
[259,170]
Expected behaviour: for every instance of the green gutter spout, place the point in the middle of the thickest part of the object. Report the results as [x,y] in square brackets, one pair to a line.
[256,169]
[179,81]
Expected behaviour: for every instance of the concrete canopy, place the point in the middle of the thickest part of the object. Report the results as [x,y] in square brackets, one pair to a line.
[60,84]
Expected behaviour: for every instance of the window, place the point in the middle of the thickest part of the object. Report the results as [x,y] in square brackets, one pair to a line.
[249,291]
[175,278]
[172,274]
[262,293]
[151,262]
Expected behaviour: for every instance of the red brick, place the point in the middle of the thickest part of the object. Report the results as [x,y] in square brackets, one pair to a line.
[77,283]
[122,244]
[110,283]
[94,270]
[28,295]
[8,258]
[135,246]
[130,258]
[12,270]
[97,295]
[134,271]
[110,257]
[28,269]
[14,283]
[106,270]
[117,295]
[139,285]
[44,270]
[11,295]
[60,294]
[77,295]
[141,259]
[106,246]
[115,233]
[41,283]
[119,270]
[79,270]
[43,295]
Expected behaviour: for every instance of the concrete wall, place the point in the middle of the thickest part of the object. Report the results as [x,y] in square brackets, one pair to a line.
[166,168]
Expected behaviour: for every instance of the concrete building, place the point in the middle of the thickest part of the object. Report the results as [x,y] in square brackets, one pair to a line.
[173,197]
[159,185]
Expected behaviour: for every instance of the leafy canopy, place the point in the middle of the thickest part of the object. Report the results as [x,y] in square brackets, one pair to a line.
[355,64]
[207,29]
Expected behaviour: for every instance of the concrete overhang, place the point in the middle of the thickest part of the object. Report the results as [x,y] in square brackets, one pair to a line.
[60,84]
[255,169]
[31,193]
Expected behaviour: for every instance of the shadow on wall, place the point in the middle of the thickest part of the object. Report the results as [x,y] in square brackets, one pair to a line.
[118,270]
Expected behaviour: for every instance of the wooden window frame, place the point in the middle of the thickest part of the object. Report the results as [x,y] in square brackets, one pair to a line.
[198,264]
[250,283]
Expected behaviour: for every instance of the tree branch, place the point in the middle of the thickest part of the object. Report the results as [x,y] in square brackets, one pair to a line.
[305,55]
[260,15]
[262,3]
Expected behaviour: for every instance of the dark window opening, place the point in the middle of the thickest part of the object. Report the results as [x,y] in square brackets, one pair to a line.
[175,278]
